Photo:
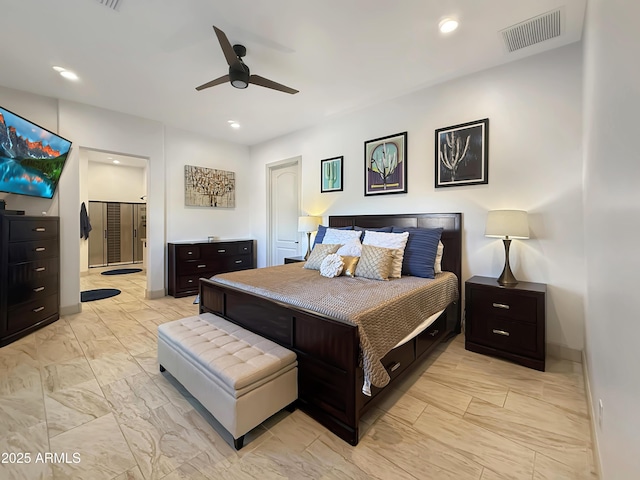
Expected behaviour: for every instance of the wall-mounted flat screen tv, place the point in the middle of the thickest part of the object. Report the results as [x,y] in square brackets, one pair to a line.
[31,157]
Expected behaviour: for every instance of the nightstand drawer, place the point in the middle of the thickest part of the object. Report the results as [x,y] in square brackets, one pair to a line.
[505,334]
[505,303]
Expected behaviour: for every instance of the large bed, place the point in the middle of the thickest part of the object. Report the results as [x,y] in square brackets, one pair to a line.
[334,353]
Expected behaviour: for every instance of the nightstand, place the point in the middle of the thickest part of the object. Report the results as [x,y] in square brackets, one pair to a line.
[293,260]
[507,322]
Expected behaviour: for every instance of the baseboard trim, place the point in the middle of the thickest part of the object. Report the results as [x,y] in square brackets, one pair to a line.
[564,353]
[592,420]
[153,294]
[70,309]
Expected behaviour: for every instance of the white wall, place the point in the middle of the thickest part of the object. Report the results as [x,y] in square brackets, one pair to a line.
[612,229]
[116,183]
[197,223]
[535,164]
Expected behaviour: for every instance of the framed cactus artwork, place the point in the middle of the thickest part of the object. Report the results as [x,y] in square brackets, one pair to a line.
[462,154]
[331,171]
[385,165]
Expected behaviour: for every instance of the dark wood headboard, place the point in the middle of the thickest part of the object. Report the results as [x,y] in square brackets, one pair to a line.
[451,224]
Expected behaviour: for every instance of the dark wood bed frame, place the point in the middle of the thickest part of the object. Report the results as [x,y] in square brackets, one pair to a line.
[329,376]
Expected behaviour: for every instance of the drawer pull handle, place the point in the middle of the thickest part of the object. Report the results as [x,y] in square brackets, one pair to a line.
[238,261]
[39,269]
[189,281]
[40,229]
[189,253]
[39,309]
[434,333]
[40,249]
[394,367]
[38,289]
[501,305]
[500,332]
[221,251]
[202,266]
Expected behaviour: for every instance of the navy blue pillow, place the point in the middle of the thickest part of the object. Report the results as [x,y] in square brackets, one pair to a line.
[322,230]
[420,252]
[381,229]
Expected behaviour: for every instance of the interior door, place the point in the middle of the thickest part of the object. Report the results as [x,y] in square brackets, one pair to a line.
[284,210]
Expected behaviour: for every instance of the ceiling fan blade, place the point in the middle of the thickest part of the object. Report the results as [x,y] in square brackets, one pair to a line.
[213,83]
[265,82]
[227,49]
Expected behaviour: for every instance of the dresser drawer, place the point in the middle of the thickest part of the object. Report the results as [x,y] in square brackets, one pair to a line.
[33,229]
[505,334]
[505,304]
[221,249]
[188,252]
[200,267]
[30,313]
[36,250]
[245,247]
[28,271]
[31,289]
[237,262]
[191,282]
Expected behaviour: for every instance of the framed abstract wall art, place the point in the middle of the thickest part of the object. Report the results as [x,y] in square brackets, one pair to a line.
[331,172]
[385,165]
[462,154]
[208,187]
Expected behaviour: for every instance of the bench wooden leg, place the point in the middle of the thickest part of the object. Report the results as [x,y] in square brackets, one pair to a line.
[162,369]
[238,442]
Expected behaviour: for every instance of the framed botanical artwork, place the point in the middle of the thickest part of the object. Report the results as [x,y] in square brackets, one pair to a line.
[462,154]
[331,171]
[208,187]
[385,165]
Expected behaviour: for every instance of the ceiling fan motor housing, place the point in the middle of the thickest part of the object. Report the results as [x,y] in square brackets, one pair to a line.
[239,75]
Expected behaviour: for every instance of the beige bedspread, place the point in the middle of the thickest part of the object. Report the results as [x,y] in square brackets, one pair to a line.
[385,312]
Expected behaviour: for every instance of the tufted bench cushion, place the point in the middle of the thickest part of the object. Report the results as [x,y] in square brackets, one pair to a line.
[240,377]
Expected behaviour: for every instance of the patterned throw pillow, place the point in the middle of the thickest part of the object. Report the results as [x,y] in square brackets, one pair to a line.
[352,248]
[318,254]
[437,266]
[395,241]
[334,235]
[322,230]
[350,264]
[375,263]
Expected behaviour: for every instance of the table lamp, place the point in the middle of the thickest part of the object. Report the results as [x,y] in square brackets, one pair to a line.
[507,224]
[308,225]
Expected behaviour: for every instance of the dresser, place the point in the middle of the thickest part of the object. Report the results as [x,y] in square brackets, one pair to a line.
[189,261]
[29,274]
[508,322]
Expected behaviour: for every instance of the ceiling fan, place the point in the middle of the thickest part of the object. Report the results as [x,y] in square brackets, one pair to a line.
[239,75]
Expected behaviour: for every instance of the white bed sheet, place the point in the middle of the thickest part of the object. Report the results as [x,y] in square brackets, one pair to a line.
[420,328]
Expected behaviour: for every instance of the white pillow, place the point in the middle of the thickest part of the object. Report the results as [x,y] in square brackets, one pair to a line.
[394,241]
[331,266]
[437,266]
[353,248]
[340,237]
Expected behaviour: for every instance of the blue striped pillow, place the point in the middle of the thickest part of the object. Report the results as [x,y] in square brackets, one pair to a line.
[420,252]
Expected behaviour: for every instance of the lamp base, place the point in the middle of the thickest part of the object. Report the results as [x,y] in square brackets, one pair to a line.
[506,278]
[306,257]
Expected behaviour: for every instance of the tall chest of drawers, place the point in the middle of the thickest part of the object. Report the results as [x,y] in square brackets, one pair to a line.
[189,261]
[29,274]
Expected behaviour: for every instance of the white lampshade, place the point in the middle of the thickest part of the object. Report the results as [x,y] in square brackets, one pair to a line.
[507,223]
[308,224]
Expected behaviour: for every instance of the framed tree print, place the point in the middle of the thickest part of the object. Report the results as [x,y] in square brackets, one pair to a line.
[385,165]
[331,171]
[462,154]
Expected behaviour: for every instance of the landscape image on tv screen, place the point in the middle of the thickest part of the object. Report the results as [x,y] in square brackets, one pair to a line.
[31,157]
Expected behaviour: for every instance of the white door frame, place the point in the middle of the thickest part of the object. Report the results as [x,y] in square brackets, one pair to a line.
[270,168]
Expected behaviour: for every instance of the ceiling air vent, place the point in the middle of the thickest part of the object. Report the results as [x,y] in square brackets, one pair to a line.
[112,4]
[532,31]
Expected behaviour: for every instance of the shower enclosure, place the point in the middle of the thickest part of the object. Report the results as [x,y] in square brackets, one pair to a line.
[117,230]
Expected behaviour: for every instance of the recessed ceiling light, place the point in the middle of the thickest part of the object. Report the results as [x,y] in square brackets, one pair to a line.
[116,161]
[59,69]
[231,121]
[69,75]
[448,25]
[234,125]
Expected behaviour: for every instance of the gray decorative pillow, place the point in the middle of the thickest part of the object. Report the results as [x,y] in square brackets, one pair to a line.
[318,254]
[375,263]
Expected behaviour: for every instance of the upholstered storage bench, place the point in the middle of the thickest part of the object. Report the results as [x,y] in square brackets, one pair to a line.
[239,377]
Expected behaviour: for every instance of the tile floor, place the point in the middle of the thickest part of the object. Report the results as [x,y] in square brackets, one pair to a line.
[87,388]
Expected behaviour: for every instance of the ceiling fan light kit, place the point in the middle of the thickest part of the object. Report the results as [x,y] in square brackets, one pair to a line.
[239,75]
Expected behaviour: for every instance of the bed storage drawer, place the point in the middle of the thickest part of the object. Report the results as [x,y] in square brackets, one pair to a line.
[398,359]
[431,334]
